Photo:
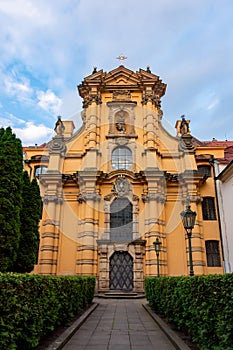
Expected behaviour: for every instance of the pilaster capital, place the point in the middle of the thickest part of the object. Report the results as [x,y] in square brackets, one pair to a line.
[158,197]
[88,196]
[52,198]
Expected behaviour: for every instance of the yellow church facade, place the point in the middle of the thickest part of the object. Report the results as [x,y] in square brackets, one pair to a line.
[120,182]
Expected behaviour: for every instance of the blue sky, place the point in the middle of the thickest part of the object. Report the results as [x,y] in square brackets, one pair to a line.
[47,47]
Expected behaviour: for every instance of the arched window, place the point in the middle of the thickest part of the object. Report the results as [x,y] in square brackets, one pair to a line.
[40,170]
[122,158]
[121,220]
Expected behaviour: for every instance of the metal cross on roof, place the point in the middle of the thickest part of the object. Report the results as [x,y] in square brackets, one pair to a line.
[121,58]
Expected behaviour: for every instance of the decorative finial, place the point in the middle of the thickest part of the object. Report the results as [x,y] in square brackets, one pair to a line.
[121,58]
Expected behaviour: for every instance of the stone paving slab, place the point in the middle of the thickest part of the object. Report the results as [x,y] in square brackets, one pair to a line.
[120,324]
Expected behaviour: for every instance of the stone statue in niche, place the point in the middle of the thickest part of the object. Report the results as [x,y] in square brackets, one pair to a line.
[184,126]
[59,126]
[120,123]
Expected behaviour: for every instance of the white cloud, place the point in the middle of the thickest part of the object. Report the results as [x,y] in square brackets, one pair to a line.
[25,10]
[48,101]
[10,120]
[33,134]
[21,89]
[213,103]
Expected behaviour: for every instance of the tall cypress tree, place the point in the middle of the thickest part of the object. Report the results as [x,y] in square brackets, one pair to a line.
[30,216]
[11,170]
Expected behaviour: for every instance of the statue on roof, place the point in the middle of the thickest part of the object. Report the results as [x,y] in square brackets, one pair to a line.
[59,126]
[184,126]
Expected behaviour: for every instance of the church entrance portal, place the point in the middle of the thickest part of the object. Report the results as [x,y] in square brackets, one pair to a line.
[121,271]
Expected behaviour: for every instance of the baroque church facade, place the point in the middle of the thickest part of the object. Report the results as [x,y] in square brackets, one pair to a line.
[120,182]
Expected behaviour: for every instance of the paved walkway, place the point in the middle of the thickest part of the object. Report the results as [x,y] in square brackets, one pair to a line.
[119,324]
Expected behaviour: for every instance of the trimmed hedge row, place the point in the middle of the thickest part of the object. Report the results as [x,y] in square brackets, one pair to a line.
[202,305]
[33,305]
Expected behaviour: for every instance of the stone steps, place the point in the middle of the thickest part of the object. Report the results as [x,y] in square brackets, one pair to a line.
[120,295]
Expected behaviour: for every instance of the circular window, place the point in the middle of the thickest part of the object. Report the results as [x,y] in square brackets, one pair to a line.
[122,158]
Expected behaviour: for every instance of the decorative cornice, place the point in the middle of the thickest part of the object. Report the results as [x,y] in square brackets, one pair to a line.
[154,173]
[139,241]
[121,137]
[51,177]
[191,175]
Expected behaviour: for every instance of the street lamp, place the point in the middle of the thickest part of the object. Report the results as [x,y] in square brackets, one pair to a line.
[188,218]
[157,245]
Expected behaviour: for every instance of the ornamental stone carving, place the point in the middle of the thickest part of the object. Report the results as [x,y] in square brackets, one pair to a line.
[151,97]
[122,186]
[91,98]
[186,143]
[57,145]
[121,95]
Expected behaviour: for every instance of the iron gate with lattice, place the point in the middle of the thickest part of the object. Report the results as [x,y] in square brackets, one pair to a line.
[121,271]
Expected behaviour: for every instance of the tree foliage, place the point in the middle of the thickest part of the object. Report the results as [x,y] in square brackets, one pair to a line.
[11,167]
[29,218]
[20,208]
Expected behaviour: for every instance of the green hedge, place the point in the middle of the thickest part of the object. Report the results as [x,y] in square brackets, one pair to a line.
[33,305]
[202,305]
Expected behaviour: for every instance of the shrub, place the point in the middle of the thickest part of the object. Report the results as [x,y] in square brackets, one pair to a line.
[33,305]
[203,305]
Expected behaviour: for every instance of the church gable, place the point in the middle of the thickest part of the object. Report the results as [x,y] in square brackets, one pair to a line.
[121,78]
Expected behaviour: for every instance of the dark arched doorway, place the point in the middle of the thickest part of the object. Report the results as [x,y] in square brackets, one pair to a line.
[121,271]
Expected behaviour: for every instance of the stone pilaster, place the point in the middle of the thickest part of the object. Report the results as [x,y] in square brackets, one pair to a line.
[51,182]
[190,186]
[50,227]
[88,225]
[154,201]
